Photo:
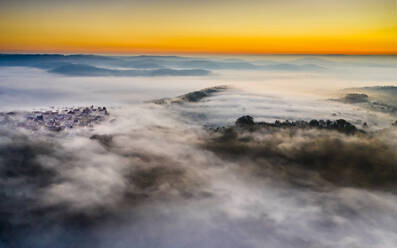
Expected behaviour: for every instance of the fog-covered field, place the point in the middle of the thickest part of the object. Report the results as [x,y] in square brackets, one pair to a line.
[178,172]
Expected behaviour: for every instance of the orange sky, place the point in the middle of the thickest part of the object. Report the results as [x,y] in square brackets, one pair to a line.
[183,26]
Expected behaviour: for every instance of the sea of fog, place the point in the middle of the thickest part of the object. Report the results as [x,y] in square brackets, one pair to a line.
[154,178]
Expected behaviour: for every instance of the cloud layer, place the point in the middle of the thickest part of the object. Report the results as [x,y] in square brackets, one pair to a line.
[156,180]
[155,175]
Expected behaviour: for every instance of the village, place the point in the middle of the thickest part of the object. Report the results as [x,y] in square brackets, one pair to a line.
[55,120]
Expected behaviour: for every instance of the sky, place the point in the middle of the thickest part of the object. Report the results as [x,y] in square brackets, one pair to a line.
[213,27]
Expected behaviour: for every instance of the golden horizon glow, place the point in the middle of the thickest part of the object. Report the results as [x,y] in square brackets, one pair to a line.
[218,27]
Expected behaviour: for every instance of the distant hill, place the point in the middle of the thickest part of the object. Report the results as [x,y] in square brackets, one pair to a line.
[86,70]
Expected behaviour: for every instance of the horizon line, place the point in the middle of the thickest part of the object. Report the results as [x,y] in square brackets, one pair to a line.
[188,53]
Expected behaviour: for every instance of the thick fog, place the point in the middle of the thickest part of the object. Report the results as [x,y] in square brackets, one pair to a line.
[160,175]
